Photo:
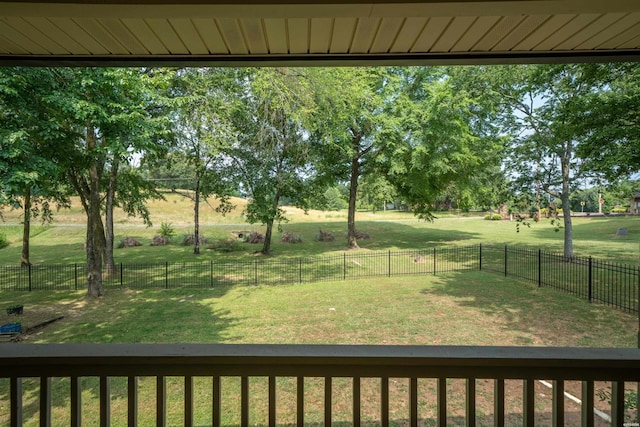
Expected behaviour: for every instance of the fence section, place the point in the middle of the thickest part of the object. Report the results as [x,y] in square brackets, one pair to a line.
[617,285]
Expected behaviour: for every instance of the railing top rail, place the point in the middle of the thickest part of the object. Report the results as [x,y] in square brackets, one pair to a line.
[320,360]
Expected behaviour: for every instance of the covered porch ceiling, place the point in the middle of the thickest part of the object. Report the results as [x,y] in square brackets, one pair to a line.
[316,32]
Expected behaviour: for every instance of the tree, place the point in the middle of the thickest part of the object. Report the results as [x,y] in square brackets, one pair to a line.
[204,101]
[350,128]
[269,160]
[446,142]
[30,135]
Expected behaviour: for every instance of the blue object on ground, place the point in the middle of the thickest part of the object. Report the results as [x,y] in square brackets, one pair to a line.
[10,327]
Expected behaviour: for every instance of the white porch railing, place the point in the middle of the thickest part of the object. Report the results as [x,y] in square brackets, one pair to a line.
[331,362]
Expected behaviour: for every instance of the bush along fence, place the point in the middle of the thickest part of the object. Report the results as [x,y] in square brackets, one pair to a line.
[617,285]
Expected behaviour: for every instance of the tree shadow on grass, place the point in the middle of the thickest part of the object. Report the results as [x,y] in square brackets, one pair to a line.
[125,316]
[503,311]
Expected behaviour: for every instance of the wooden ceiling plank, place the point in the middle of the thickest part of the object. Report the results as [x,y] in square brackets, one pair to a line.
[276,35]
[298,30]
[211,37]
[343,33]
[232,34]
[631,44]
[588,32]
[100,34]
[619,40]
[163,29]
[365,33]
[541,33]
[430,34]
[43,40]
[254,34]
[9,47]
[387,33]
[320,35]
[143,33]
[611,31]
[19,39]
[454,32]
[62,38]
[480,27]
[79,34]
[408,34]
[519,33]
[566,31]
[505,25]
[189,35]
[117,28]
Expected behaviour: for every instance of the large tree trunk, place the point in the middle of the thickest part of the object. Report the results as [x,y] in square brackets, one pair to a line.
[352,241]
[196,221]
[266,246]
[566,205]
[26,228]
[95,229]
[109,260]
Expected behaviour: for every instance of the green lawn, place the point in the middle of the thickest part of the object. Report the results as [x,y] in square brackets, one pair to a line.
[470,308]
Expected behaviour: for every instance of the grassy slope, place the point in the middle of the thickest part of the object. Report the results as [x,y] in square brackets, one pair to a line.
[62,242]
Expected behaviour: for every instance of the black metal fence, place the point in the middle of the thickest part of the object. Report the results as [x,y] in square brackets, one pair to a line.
[613,284]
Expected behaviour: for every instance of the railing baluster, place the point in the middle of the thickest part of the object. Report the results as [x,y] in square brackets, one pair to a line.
[471,402]
[16,401]
[45,401]
[529,408]
[244,401]
[132,401]
[216,404]
[442,402]
[356,401]
[105,402]
[587,404]
[188,400]
[384,401]
[413,402]
[498,403]
[272,401]
[328,401]
[300,402]
[161,401]
[617,403]
[76,401]
[558,403]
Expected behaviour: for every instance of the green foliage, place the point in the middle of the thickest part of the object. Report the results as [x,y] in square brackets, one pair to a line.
[167,231]
[493,217]
[630,397]
[4,242]
[334,199]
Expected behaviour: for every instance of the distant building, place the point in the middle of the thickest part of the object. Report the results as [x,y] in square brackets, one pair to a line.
[634,206]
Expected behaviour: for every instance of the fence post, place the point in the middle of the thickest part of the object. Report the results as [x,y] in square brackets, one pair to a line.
[344,266]
[480,258]
[255,272]
[29,266]
[505,260]
[435,255]
[539,267]
[389,264]
[590,279]
[121,275]
[75,275]
[166,274]
[300,269]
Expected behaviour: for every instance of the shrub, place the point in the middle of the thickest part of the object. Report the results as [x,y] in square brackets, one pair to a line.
[167,231]
[254,238]
[3,240]
[225,245]
[493,217]
[325,236]
[290,238]
[159,241]
[128,242]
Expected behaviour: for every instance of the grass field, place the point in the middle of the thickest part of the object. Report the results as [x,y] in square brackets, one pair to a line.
[62,242]
[471,308]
